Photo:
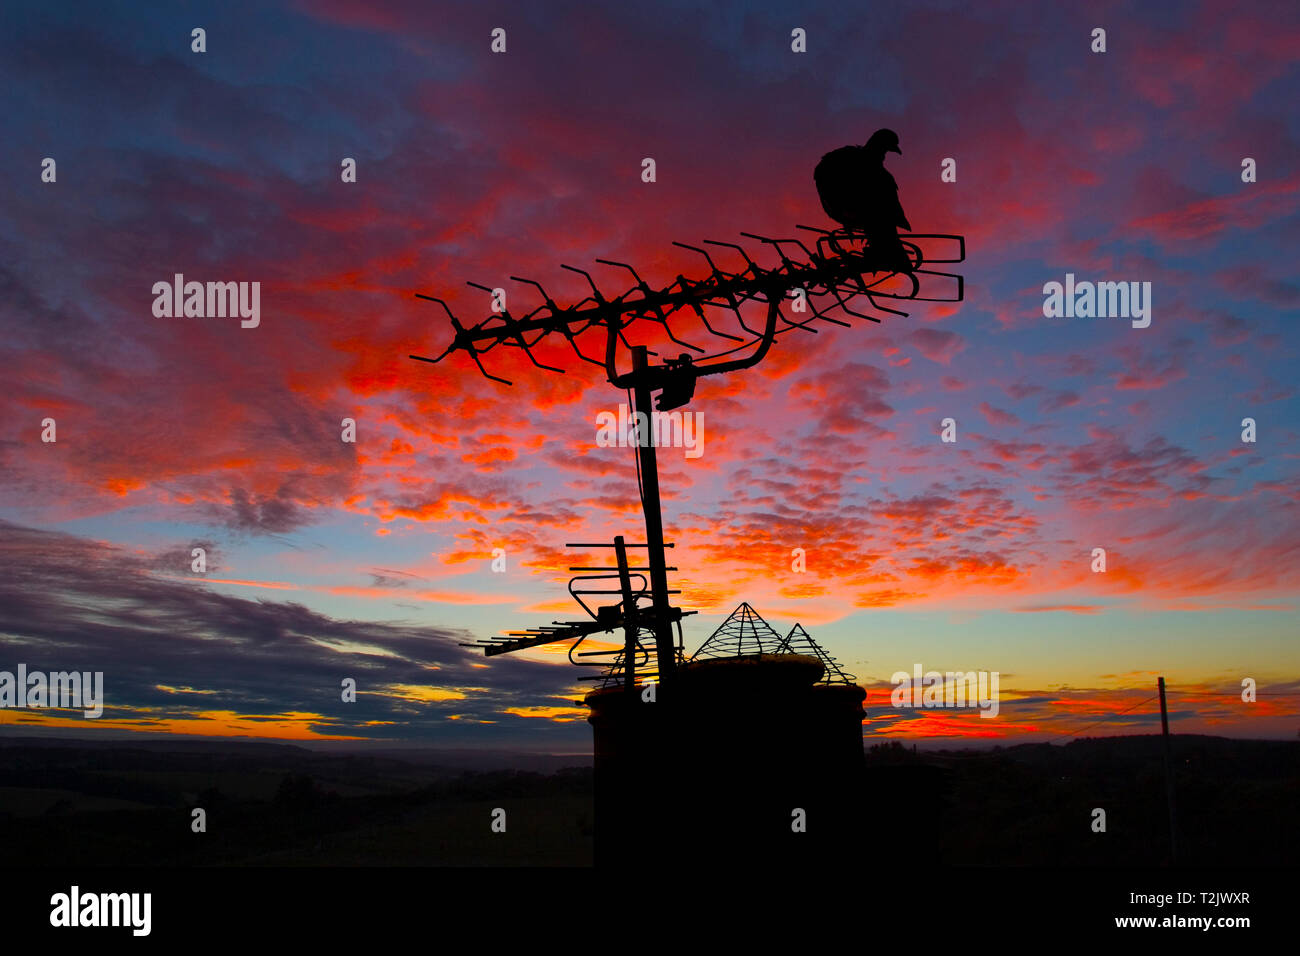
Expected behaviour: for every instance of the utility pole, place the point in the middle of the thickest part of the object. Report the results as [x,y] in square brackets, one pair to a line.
[1169,775]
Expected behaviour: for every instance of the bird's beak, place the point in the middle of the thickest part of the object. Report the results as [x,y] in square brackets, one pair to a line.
[894,149]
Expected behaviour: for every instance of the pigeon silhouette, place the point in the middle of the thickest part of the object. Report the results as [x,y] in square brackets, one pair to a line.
[857,191]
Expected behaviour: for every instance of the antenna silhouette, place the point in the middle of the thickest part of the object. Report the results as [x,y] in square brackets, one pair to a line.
[800,287]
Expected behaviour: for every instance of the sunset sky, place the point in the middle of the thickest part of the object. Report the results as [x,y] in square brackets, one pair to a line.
[329,560]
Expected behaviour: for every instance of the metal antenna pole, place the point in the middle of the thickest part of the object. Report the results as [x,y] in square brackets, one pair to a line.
[665,646]
[630,615]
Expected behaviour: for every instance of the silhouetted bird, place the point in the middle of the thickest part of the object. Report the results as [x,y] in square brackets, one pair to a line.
[858,192]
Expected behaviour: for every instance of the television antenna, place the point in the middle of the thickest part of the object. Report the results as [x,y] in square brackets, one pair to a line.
[799,286]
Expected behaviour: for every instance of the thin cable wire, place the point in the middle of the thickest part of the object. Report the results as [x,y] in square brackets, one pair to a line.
[1072,733]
